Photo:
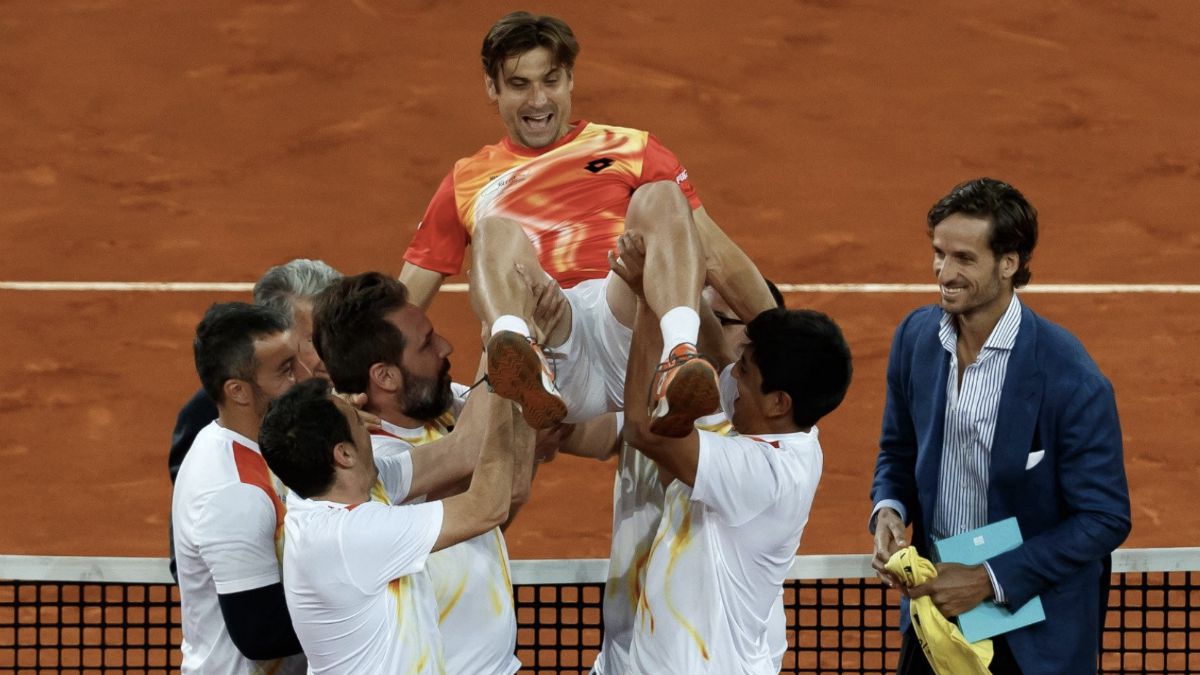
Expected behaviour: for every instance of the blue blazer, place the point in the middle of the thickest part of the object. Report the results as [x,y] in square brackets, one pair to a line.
[1072,505]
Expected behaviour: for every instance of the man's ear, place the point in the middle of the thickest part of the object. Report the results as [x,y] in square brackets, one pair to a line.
[238,392]
[489,85]
[778,404]
[1009,264]
[386,376]
[344,456]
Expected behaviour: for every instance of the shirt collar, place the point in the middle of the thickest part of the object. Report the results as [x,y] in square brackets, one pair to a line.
[403,433]
[1003,337]
[240,439]
[297,503]
[812,433]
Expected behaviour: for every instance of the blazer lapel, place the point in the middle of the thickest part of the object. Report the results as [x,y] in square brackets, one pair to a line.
[930,371]
[1017,417]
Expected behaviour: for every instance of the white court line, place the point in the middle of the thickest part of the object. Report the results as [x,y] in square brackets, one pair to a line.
[246,287]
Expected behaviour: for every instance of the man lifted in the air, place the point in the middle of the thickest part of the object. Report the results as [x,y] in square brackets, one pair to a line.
[551,199]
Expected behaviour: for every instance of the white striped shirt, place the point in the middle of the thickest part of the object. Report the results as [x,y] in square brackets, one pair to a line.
[971,410]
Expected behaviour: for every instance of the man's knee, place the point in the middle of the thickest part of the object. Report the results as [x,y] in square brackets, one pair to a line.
[658,205]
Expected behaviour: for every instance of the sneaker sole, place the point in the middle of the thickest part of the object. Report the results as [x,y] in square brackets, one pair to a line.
[692,394]
[515,372]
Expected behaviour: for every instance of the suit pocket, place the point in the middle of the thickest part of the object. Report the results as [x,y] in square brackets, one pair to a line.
[1034,459]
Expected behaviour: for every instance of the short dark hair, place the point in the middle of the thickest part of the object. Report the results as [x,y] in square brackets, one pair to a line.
[520,32]
[298,435]
[224,344]
[802,352]
[350,329]
[1012,220]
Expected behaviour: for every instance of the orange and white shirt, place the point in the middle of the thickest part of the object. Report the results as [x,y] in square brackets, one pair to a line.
[228,514]
[722,552]
[470,579]
[355,580]
[570,197]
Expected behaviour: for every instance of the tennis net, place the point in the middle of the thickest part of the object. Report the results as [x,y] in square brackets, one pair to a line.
[94,615]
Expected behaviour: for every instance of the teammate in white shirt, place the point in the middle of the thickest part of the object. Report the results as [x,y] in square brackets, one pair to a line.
[226,508]
[353,566]
[375,342]
[638,494]
[737,506]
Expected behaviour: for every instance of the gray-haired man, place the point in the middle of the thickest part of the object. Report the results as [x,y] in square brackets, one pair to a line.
[289,289]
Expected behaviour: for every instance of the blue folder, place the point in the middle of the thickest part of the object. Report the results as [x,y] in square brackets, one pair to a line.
[972,548]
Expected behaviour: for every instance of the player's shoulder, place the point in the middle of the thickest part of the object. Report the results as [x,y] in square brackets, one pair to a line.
[598,128]
[800,443]
[212,460]
[485,155]
[791,447]
[385,444]
[1060,353]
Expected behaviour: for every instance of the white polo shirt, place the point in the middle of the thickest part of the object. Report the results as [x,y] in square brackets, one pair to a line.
[470,579]
[228,520]
[355,582]
[722,552]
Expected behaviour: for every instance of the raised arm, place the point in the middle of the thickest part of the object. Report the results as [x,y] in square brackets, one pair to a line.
[731,271]
[524,443]
[446,461]
[422,284]
[678,456]
[486,502]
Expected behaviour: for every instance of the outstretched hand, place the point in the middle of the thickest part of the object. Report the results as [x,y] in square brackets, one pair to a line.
[629,260]
[550,307]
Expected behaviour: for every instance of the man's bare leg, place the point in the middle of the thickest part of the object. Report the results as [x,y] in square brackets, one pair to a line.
[674,269]
[501,297]
[659,224]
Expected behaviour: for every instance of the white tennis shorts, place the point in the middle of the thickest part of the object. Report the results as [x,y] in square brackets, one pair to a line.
[590,375]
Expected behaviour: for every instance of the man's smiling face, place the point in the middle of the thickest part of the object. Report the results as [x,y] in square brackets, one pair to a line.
[533,95]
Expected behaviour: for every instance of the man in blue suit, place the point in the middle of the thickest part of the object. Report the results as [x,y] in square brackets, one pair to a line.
[993,411]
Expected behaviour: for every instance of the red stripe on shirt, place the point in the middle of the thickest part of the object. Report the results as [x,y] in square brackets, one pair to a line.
[252,470]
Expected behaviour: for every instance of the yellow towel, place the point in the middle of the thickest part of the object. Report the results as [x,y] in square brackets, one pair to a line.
[943,643]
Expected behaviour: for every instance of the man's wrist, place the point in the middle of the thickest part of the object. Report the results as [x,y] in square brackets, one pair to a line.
[997,591]
[892,505]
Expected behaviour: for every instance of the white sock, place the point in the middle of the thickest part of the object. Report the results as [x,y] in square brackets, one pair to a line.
[509,322]
[681,324]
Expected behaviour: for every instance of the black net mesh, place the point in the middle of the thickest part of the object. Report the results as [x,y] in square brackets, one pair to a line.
[834,626]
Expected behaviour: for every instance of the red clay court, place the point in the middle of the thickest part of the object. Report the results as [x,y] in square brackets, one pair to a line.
[205,142]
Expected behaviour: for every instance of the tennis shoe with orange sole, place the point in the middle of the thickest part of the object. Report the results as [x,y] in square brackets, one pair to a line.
[517,370]
[685,388]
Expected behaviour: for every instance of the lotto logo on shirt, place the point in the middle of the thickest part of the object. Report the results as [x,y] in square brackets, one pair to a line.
[598,165]
[682,177]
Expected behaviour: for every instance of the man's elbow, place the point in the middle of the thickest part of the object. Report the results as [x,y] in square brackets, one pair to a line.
[495,512]
[253,650]
[520,495]
[1118,526]
[639,436]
